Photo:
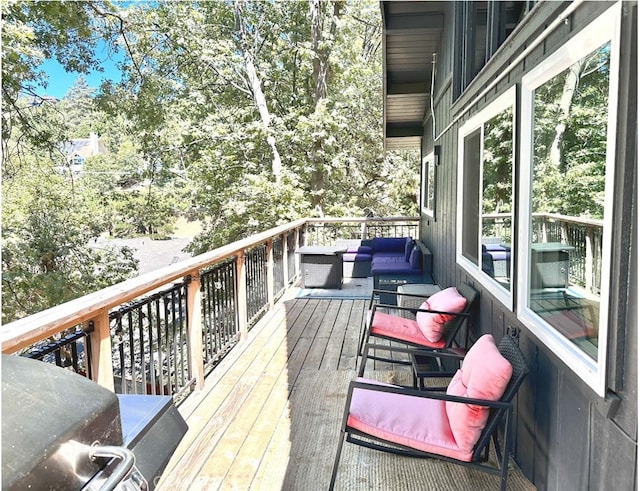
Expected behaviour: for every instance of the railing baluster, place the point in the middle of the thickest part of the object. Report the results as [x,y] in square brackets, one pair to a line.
[162,355]
[270,274]
[156,386]
[241,295]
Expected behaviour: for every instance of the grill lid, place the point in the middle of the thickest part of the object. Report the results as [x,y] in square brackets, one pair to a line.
[50,416]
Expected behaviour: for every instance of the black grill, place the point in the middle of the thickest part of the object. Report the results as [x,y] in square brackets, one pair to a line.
[63,431]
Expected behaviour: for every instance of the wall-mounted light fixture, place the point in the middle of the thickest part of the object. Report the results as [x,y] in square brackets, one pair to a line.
[436,154]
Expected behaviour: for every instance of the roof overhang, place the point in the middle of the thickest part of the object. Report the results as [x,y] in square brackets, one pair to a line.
[411,35]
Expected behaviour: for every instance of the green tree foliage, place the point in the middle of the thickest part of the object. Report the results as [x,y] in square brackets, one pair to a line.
[205,115]
[31,33]
[570,114]
[46,257]
[497,164]
[48,221]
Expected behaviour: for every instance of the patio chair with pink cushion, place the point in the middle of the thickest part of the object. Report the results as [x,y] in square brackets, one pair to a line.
[455,425]
[436,326]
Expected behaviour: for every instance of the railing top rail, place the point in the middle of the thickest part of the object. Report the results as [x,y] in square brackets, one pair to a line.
[362,219]
[593,222]
[569,219]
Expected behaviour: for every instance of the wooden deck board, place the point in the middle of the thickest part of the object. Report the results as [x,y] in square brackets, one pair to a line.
[268,417]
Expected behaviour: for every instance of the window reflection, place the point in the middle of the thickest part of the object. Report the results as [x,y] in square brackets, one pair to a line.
[497,197]
[429,190]
[568,187]
[487,197]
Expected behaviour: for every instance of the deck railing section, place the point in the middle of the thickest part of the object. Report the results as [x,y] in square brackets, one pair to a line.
[159,333]
[584,236]
[221,326]
[149,339]
[257,282]
[69,351]
[326,231]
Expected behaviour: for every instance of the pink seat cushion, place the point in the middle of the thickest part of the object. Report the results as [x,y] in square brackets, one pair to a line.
[447,300]
[402,329]
[415,422]
[484,374]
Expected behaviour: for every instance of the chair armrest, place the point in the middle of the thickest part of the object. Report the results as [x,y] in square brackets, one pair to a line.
[381,387]
[413,309]
[397,293]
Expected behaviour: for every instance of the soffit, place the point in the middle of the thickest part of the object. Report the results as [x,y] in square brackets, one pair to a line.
[412,33]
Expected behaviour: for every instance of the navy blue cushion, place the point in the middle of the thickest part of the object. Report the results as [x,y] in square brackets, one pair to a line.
[389,244]
[360,249]
[391,258]
[403,268]
[408,247]
[493,247]
[415,260]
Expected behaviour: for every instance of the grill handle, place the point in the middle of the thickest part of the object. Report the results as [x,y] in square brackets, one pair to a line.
[127,461]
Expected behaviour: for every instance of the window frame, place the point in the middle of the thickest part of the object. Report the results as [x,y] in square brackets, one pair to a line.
[428,161]
[605,28]
[507,99]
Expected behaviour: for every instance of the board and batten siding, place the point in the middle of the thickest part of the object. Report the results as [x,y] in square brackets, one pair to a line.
[567,437]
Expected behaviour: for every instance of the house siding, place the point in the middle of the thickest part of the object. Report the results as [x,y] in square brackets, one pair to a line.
[567,437]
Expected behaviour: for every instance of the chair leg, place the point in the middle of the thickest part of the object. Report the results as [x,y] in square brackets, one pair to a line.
[363,335]
[504,461]
[336,462]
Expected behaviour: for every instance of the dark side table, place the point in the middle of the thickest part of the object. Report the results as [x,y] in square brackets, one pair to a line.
[429,367]
[321,266]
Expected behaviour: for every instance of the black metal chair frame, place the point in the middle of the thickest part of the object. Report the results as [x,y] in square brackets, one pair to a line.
[500,411]
[452,327]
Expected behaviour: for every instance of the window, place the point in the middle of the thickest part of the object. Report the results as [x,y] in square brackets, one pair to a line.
[481,27]
[568,139]
[76,160]
[485,195]
[429,185]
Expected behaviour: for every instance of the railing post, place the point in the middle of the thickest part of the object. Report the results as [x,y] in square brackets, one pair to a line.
[194,328]
[296,241]
[285,258]
[270,273]
[588,260]
[242,295]
[564,233]
[101,356]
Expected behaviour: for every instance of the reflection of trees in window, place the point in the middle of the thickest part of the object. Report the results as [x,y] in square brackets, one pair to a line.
[429,200]
[497,189]
[570,135]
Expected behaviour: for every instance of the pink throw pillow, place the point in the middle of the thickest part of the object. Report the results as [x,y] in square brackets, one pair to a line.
[447,300]
[484,374]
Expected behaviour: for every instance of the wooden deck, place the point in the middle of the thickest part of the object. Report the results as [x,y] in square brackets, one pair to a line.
[269,415]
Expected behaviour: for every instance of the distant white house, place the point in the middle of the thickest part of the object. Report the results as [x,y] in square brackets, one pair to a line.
[78,150]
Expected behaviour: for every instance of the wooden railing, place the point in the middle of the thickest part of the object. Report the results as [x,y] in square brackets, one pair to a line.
[162,331]
[583,234]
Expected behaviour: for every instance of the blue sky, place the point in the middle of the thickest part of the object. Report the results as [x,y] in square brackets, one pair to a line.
[60,81]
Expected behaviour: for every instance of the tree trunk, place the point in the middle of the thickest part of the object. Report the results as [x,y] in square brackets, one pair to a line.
[321,46]
[256,88]
[571,81]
